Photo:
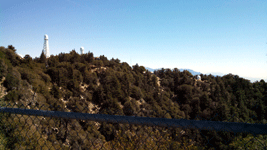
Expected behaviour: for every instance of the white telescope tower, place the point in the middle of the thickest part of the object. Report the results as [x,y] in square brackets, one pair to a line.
[46,46]
[82,50]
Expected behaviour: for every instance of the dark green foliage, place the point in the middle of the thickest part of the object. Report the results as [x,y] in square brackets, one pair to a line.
[185,93]
[3,69]
[11,47]
[8,132]
[12,81]
[53,61]
[56,92]
[130,107]
[12,57]
[139,69]
[103,61]
[74,57]
[82,83]
[12,96]
[89,78]
[27,75]
[98,63]
[108,130]
[63,77]
[54,74]
[43,58]
[45,77]
[136,93]
[205,101]
[88,57]
[111,106]
[99,96]
[27,59]
[125,84]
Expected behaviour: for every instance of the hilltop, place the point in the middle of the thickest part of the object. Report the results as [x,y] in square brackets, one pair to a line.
[84,83]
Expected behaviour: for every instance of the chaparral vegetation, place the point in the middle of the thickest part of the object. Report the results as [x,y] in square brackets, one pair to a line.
[72,82]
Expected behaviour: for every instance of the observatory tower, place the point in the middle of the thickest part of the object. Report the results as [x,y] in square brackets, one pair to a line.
[82,50]
[46,46]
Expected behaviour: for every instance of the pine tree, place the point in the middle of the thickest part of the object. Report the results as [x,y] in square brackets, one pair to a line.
[42,58]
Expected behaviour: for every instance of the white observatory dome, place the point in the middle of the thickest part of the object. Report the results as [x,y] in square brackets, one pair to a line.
[82,50]
[198,77]
[46,37]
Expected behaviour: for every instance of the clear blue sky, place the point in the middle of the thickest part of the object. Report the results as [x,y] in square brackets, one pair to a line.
[226,36]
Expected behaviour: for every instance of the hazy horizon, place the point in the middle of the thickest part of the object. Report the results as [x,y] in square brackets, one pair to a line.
[214,74]
[211,36]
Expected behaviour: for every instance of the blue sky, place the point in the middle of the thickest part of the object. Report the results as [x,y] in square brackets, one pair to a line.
[227,36]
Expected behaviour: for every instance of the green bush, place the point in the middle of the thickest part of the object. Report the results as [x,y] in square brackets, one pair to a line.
[12,96]
[12,80]
[3,69]
[136,93]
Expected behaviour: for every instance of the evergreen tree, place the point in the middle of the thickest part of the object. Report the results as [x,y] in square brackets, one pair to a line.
[3,69]
[42,58]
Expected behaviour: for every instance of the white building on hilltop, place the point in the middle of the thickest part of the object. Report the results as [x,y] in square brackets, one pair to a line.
[82,50]
[198,77]
[46,46]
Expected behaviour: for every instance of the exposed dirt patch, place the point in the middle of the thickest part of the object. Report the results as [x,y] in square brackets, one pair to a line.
[83,87]
[93,108]
[158,81]
[2,88]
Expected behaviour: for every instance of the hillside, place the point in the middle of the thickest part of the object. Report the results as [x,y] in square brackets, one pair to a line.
[82,83]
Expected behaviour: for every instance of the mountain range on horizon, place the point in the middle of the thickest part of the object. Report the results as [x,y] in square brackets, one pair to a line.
[212,73]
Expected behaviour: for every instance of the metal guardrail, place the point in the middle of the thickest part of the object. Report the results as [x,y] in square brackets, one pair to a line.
[131,132]
[161,122]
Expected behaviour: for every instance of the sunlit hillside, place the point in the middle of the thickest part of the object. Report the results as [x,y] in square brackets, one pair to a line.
[73,82]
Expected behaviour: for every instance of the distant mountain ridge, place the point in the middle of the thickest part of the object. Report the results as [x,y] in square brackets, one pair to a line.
[212,73]
[190,70]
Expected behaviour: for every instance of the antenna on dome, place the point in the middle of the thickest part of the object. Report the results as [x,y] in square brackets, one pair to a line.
[46,46]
